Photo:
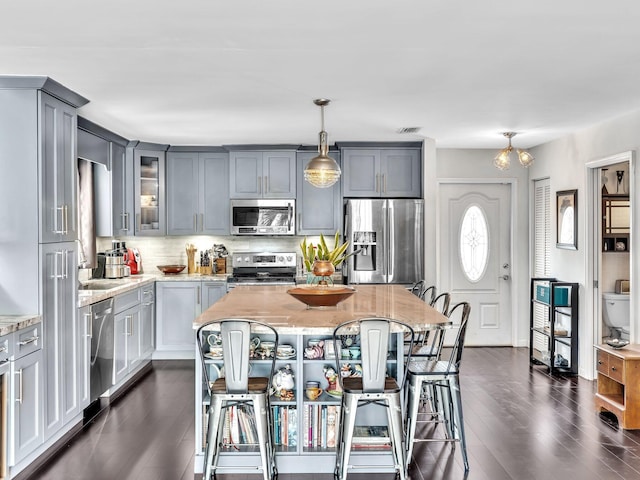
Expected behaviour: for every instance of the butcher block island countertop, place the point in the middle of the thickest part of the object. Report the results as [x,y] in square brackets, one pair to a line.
[273,305]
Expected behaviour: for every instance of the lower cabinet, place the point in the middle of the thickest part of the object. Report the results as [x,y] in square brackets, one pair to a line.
[26,398]
[178,305]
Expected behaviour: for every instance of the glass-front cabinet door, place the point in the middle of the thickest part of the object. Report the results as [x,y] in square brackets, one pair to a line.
[149,171]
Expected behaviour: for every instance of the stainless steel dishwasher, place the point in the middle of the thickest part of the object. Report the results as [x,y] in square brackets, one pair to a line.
[102,343]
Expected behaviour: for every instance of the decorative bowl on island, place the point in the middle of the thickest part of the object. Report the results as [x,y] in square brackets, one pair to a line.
[321,295]
[171,269]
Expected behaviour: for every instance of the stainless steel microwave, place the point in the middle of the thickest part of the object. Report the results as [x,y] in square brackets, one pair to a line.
[263,217]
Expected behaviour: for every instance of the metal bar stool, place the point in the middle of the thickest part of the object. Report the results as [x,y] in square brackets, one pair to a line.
[236,388]
[442,379]
[374,386]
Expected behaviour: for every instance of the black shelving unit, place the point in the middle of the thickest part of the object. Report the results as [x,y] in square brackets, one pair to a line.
[553,336]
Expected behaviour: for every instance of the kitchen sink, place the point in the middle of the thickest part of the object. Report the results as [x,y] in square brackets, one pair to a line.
[99,286]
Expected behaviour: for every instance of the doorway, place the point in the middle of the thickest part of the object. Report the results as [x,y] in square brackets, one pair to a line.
[610,252]
[475,241]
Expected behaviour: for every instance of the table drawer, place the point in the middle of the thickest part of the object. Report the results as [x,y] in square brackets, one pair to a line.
[603,362]
[616,369]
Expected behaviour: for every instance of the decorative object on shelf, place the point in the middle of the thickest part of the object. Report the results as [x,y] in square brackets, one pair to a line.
[604,179]
[266,349]
[285,352]
[283,383]
[567,219]
[620,246]
[348,340]
[313,392]
[331,375]
[620,183]
[317,296]
[354,352]
[502,161]
[314,350]
[617,343]
[171,269]
[322,171]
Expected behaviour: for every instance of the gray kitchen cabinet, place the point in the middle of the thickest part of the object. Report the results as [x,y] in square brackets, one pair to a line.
[319,209]
[149,191]
[126,350]
[147,322]
[197,193]
[61,335]
[211,293]
[57,170]
[262,174]
[25,404]
[389,173]
[177,306]
[122,190]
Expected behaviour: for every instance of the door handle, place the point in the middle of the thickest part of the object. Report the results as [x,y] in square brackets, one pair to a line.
[19,373]
[504,277]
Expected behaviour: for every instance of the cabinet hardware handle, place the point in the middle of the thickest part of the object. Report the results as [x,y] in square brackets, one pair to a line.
[128,223]
[384,178]
[202,222]
[138,222]
[19,400]
[28,340]
[377,182]
[66,219]
[3,349]
[259,183]
[57,269]
[57,229]
[131,322]
[266,184]
[89,325]
[613,369]
[195,222]
[65,265]
[198,296]
[123,221]
[599,362]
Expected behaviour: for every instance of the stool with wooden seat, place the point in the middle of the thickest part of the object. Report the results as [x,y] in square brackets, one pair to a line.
[373,387]
[237,388]
[441,379]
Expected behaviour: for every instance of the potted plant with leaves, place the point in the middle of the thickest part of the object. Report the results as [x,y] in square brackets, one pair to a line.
[320,259]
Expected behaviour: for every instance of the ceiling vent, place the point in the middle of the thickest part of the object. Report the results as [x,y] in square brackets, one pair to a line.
[409,130]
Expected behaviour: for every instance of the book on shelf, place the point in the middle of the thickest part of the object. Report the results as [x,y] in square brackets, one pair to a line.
[285,425]
[370,436]
[332,419]
[320,424]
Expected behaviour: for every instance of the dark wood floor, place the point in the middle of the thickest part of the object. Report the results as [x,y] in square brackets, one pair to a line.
[521,424]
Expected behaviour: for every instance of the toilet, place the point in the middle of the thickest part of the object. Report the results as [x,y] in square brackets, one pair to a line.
[616,314]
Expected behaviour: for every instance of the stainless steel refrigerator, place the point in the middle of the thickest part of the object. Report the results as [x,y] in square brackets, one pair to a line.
[388,238]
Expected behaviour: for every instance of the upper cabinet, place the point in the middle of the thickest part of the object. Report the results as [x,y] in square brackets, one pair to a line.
[122,211]
[319,209]
[377,172]
[197,193]
[149,200]
[57,170]
[262,174]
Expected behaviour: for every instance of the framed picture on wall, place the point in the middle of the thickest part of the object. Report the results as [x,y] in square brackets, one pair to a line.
[567,219]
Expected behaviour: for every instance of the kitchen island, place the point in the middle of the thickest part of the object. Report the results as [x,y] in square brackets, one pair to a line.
[296,325]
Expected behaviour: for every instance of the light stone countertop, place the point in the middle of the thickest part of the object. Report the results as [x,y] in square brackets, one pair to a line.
[123,285]
[12,323]
[273,305]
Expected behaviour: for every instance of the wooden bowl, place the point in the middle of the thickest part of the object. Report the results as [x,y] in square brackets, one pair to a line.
[321,295]
[171,269]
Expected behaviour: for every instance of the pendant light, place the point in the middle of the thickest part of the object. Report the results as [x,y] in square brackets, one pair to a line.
[322,171]
[503,159]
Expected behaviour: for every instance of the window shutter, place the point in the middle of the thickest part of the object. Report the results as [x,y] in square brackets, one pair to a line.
[541,250]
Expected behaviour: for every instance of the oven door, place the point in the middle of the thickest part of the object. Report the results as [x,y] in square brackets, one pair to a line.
[263,217]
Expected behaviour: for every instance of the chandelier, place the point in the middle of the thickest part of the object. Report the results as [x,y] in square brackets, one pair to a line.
[503,159]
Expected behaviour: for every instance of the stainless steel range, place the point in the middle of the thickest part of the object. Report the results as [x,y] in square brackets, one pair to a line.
[263,268]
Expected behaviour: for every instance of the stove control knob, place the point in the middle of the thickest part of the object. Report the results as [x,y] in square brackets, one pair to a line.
[289,258]
[280,259]
[246,259]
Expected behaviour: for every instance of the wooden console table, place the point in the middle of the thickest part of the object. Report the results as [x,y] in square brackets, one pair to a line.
[619,384]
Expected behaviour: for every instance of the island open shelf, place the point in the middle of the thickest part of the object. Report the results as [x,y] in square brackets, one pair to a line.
[297,325]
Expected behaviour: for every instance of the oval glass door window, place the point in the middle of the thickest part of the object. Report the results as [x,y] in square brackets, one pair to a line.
[474,243]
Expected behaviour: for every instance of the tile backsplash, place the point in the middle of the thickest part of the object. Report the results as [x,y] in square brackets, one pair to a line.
[171,250]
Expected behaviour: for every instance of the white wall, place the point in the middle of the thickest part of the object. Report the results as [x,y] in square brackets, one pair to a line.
[564,162]
[478,164]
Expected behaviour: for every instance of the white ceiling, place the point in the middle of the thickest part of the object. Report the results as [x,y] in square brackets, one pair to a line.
[207,72]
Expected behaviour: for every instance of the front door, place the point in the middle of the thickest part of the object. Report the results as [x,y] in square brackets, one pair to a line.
[475,260]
